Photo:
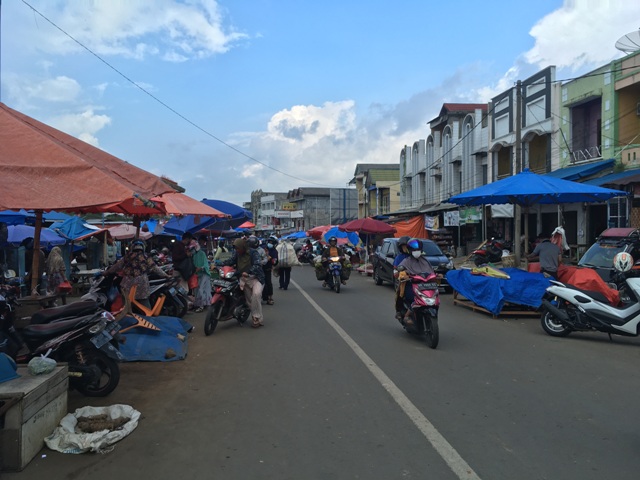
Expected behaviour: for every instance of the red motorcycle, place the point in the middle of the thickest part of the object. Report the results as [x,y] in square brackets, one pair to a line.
[421,317]
[227,302]
[490,251]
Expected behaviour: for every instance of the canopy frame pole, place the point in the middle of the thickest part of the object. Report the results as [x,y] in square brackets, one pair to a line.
[35,262]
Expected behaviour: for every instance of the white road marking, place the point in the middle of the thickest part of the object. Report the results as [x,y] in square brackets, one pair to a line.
[449,454]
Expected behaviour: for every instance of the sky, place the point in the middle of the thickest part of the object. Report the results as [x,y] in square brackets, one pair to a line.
[230,96]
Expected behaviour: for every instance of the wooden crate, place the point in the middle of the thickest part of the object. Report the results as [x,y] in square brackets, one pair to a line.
[34,405]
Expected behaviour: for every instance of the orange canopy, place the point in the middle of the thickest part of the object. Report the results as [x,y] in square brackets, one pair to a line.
[45,169]
[412,227]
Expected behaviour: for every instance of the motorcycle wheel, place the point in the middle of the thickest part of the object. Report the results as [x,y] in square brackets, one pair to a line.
[107,374]
[432,332]
[376,276]
[553,326]
[174,307]
[213,315]
[336,283]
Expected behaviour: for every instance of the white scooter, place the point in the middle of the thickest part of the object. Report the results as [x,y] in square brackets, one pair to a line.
[566,308]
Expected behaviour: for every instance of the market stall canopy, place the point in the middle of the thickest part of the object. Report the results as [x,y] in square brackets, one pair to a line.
[317,232]
[16,217]
[342,237]
[45,169]
[171,203]
[19,233]
[527,188]
[368,226]
[74,228]
[235,216]
[247,225]
[125,232]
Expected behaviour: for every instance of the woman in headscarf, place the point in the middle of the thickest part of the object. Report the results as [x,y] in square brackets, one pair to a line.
[136,267]
[203,290]
[56,270]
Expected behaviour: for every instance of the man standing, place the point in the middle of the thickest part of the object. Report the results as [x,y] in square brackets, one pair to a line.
[182,262]
[549,254]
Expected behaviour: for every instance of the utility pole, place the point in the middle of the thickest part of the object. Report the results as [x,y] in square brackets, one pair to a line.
[518,145]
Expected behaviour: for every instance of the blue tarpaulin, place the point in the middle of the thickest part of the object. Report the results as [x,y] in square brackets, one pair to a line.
[490,293]
[73,228]
[145,345]
[193,224]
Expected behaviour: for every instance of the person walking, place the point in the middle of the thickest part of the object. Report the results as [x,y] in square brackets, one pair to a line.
[202,292]
[286,259]
[272,261]
[56,269]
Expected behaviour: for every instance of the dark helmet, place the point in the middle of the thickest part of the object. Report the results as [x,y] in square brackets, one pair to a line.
[414,244]
[137,245]
[402,241]
[273,240]
[253,242]
[333,239]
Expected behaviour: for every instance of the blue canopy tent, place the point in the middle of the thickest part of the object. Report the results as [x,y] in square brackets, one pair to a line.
[527,188]
[295,235]
[351,237]
[19,233]
[16,217]
[74,228]
[193,224]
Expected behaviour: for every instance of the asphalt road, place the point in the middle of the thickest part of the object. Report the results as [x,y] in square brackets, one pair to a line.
[333,388]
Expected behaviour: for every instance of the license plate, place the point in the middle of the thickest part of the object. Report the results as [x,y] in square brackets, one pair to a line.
[182,291]
[172,291]
[428,286]
[222,283]
[101,339]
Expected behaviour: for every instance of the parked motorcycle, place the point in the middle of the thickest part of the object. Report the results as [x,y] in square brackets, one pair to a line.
[567,309]
[305,256]
[176,301]
[491,251]
[227,302]
[88,344]
[422,315]
[334,269]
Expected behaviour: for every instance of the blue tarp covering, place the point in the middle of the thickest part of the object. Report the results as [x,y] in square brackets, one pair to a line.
[193,224]
[577,172]
[523,288]
[72,228]
[145,345]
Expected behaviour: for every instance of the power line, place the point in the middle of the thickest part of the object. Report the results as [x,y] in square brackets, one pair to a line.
[171,109]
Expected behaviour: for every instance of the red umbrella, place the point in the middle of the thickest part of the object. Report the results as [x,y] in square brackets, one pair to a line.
[247,224]
[369,226]
[318,232]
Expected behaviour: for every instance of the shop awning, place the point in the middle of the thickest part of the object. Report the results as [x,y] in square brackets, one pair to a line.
[621,178]
[576,172]
[438,207]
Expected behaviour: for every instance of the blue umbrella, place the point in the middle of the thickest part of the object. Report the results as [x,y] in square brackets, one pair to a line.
[72,228]
[527,189]
[193,224]
[13,217]
[352,237]
[19,233]
[296,235]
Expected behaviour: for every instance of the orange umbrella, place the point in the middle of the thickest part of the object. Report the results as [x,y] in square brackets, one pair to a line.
[247,224]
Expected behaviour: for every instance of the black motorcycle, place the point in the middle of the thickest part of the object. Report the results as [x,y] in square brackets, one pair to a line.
[88,344]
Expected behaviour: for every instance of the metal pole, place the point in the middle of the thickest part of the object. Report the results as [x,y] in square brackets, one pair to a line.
[518,146]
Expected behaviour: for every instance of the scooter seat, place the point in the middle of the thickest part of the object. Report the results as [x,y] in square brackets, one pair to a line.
[75,309]
[597,296]
[49,330]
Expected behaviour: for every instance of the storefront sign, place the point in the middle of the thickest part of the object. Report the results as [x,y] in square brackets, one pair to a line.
[470,215]
[452,219]
[288,206]
[431,223]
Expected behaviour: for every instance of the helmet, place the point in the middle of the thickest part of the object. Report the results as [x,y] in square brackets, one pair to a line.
[273,240]
[153,252]
[137,245]
[623,262]
[414,244]
[333,239]
[253,242]
[165,250]
[402,241]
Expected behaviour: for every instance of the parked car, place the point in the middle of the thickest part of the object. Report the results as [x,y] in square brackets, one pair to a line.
[610,242]
[382,261]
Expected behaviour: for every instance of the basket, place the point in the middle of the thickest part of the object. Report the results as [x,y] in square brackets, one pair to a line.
[509,260]
[320,273]
[345,273]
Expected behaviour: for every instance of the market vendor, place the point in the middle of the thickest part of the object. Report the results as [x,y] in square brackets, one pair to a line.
[549,255]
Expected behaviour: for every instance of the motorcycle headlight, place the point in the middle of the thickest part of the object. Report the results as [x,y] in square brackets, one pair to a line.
[431,301]
[229,275]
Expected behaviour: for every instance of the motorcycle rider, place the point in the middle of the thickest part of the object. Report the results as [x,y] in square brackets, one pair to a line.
[246,261]
[414,264]
[331,250]
[135,268]
[404,253]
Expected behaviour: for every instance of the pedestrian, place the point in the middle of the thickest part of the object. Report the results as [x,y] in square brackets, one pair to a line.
[182,263]
[286,259]
[549,255]
[247,262]
[221,251]
[135,268]
[202,292]
[272,261]
[56,269]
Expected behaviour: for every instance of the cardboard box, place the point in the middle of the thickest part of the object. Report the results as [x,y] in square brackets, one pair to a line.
[36,404]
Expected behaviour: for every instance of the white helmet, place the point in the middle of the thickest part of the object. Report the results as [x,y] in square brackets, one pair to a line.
[623,262]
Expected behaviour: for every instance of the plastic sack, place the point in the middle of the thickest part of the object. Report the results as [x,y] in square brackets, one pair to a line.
[66,439]
[41,365]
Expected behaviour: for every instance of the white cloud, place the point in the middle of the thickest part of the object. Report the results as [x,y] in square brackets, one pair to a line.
[137,28]
[582,33]
[84,125]
[26,89]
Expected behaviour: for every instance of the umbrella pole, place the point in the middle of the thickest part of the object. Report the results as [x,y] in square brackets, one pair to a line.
[35,263]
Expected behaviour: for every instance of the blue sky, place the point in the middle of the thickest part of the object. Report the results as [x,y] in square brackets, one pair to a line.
[306,89]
